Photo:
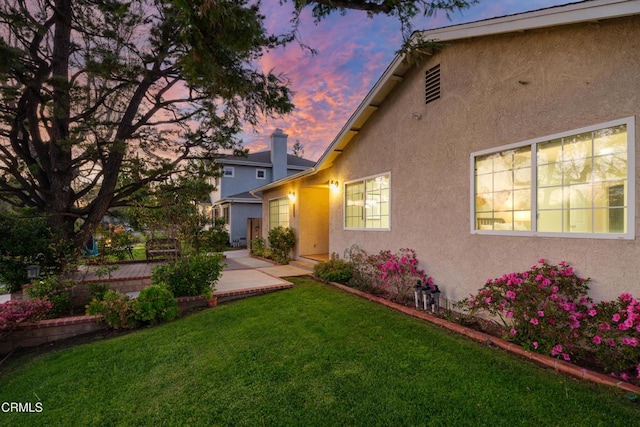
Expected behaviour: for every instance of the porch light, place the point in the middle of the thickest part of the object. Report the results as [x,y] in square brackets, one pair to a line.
[292,196]
[33,271]
[335,185]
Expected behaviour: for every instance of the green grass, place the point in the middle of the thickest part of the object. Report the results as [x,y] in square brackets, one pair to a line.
[312,355]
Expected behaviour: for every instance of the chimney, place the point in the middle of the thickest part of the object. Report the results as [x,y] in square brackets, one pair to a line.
[279,154]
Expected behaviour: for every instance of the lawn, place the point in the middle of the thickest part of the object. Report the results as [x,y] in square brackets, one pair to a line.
[312,355]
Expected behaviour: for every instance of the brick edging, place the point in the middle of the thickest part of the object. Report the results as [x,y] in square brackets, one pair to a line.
[558,365]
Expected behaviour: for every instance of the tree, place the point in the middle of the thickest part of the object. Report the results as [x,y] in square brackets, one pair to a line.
[404,10]
[101,100]
[298,149]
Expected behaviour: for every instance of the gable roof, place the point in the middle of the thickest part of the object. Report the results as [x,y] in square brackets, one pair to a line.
[571,13]
[263,159]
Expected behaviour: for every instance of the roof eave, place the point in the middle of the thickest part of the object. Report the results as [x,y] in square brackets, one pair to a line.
[572,13]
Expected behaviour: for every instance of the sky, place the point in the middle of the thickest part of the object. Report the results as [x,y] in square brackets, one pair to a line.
[353,52]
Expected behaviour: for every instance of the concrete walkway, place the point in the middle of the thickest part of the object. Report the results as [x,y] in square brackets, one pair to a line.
[241,275]
[244,272]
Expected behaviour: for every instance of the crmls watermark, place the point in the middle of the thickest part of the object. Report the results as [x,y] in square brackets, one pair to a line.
[26,407]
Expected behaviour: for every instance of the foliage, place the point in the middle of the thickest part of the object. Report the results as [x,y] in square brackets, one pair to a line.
[399,273]
[614,332]
[27,241]
[116,242]
[386,273]
[543,308]
[97,290]
[189,276]
[404,11]
[155,304]
[334,270]
[55,290]
[173,211]
[281,241]
[116,309]
[14,312]
[547,310]
[102,101]
[214,239]
[259,248]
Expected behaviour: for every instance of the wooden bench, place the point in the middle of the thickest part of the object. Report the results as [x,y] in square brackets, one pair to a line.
[162,248]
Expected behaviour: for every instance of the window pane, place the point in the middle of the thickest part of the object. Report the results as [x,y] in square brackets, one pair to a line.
[609,167]
[550,221]
[577,147]
[550,152]
[484,164]
[610,140]
[580,221]
[550,174]
[580,196]
[550,198]
[578,170]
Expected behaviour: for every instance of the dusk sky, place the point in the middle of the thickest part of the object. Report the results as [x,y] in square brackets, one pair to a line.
[353,52]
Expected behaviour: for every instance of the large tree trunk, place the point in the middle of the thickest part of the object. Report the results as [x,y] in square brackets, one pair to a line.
[59,158]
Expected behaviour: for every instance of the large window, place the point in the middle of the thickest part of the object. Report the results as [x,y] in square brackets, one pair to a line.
[366,203]
[578,184]
[278,212]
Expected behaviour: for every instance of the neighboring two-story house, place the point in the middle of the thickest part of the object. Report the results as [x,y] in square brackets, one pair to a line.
[232,199]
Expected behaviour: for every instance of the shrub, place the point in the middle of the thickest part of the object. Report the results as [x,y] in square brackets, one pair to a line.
[27,241]
[259,248]
[155,304]
[334,270]
[54,290]
[281,241]
[189,276]
[388,274]
[214,239]
[543,308]
[14,312]
[614,335]
[116,309]
[97,290]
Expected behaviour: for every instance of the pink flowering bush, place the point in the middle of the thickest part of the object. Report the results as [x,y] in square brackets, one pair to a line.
[13,312]
[547,310]
[614,336]
[398,273]
[543,308]
[392,275]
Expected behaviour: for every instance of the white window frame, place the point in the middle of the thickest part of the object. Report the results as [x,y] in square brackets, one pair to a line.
[228,171]
[264,174]
[631,190]
[344,203]
[280,200]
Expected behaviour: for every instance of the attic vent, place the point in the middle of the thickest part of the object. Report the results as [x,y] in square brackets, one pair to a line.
[432,84]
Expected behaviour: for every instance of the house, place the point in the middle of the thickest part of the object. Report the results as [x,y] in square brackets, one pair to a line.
[232,199]
[514,141]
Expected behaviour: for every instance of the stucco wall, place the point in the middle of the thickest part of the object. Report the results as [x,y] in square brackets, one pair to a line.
[311,219]
[496,90]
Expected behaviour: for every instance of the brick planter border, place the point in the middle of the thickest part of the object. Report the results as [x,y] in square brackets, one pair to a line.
[541,359]
[50,330]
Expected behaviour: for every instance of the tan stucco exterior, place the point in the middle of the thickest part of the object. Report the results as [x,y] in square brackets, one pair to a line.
[308,212]
[496,90]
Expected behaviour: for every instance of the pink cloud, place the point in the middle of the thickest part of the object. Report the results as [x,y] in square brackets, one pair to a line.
[353,52]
